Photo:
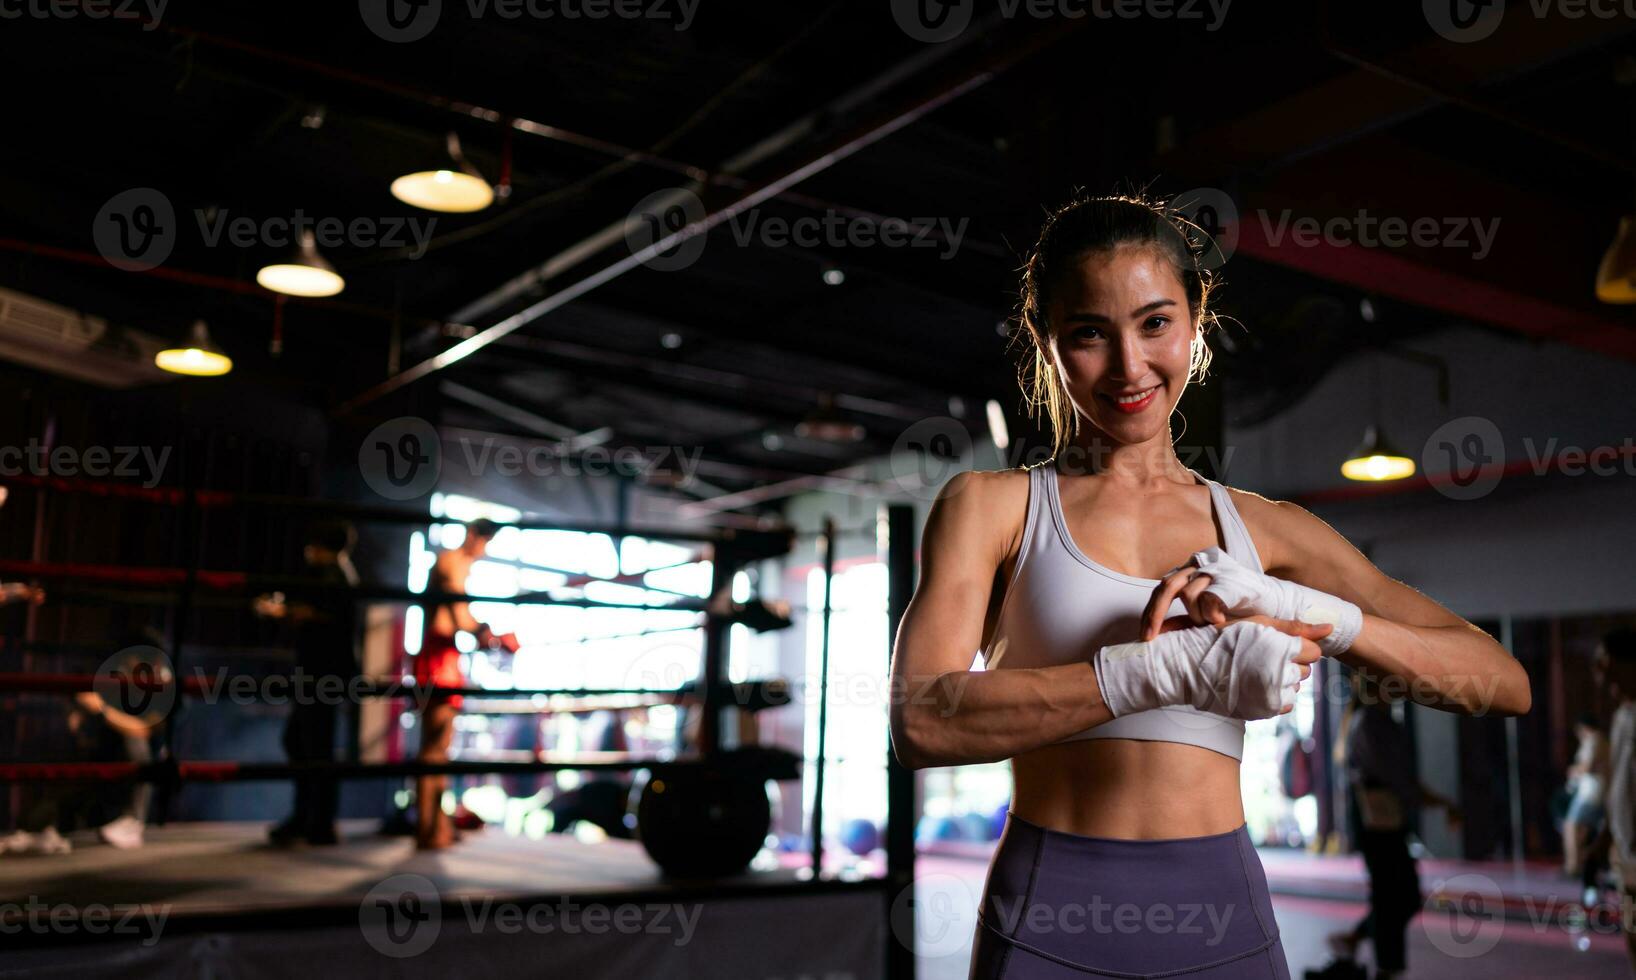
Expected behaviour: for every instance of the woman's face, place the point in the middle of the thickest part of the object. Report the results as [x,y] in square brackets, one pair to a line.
[1120,326]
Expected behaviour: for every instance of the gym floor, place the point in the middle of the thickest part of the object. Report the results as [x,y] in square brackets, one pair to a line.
[948,886]
[214,869]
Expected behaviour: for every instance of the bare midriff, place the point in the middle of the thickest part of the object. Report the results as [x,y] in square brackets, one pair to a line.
[1128,789]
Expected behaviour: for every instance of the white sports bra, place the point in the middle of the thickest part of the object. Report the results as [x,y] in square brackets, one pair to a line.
[1060,606]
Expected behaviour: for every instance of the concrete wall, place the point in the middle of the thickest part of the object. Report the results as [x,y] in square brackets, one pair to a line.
[1535,545]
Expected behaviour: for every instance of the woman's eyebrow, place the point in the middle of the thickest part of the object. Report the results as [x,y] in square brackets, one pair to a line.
[1088,317]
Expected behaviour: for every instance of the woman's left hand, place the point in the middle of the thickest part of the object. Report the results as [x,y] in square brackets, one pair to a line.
[1237,589]
[1214,586]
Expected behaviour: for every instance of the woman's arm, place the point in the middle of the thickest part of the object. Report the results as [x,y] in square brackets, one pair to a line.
[943,713]
[1413,646]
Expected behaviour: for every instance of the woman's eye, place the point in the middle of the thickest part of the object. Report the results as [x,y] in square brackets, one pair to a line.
[1087,333]
[1156,322]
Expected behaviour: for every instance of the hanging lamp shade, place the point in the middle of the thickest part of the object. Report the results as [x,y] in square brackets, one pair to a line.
[306,274]
[459,189]
[1616,276]
[199,356]
[1376,459]
[825,424]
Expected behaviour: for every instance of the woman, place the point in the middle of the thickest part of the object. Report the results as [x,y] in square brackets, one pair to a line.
[1125,851]
[1587,780]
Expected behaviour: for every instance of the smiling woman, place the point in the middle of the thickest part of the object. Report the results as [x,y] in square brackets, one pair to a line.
[1130,624]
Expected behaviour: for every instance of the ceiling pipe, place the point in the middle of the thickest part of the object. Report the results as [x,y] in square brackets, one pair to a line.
[650,369]
[1337,49]
[570,439]
[835,150]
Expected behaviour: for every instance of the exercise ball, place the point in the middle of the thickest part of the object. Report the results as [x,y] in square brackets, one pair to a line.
[860,836]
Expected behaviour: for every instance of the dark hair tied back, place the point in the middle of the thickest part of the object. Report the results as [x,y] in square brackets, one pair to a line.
[1087,225]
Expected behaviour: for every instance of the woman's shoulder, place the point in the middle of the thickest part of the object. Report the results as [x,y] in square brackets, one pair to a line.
[992,483]
[990,503]
[1269,521]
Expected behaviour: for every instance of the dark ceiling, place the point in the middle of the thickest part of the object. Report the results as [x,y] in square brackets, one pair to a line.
[257,110]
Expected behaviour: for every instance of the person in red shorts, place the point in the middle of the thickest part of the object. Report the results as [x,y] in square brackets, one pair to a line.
[438,665]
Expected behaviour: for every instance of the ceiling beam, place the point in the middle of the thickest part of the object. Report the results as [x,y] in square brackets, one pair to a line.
[1364,100]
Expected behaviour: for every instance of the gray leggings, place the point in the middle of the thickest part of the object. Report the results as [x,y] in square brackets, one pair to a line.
[1058,906]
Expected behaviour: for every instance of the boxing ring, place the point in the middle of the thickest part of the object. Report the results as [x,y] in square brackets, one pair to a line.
[696,894]
[216,899]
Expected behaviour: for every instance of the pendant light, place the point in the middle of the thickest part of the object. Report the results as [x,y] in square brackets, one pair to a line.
[458,191]
[306,274]
[199,357]
[1616,276]
[1375,459]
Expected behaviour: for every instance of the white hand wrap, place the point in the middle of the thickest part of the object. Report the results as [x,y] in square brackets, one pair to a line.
[1247,592]
[1243,670]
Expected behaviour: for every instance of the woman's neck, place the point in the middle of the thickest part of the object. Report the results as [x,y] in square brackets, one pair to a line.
[1138,465]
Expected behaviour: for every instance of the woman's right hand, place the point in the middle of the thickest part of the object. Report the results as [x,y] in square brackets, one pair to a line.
[1308,633]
